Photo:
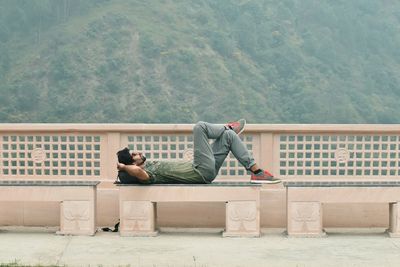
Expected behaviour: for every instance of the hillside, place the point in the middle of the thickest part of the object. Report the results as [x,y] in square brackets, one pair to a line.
[270,61]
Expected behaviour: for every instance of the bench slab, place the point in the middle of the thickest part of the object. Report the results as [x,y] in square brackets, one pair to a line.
[138,205]
[187,193]
[305,199]
[77,201]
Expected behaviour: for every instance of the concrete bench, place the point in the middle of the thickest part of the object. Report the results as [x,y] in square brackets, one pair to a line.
[304,200]
[77,198]
[138,203]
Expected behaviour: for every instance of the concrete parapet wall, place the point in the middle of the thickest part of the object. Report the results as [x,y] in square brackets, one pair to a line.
[291,152]
[273,212]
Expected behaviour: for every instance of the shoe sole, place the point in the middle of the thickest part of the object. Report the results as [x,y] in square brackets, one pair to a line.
[265,182]
[244,125]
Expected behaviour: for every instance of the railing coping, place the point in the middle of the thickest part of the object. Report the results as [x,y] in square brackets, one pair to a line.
[213,184]
[342,184]
[187,128]
[47,183]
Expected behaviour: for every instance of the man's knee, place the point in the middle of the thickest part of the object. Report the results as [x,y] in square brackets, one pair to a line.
[229,136]
[230,133]
[199,126]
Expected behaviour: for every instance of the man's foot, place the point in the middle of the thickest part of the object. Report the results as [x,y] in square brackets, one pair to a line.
[237,126]
[264,177]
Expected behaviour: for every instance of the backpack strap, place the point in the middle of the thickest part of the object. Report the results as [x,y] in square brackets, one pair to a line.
[108,229]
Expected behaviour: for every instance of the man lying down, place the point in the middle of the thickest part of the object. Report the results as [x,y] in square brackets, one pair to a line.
[207,159]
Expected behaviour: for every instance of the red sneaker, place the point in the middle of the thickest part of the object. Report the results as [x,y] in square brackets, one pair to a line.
[264,177]
[237,126]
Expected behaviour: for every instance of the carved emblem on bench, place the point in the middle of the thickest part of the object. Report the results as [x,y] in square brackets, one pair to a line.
[138,215]
[76,215]
[305,216]
[242,216]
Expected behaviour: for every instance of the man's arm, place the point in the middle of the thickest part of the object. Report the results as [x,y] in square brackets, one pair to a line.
[134,170]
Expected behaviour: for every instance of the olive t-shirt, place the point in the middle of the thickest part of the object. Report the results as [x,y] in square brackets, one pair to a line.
[173,172]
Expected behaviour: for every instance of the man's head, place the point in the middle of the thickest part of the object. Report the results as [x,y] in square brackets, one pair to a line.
[138,158]
[128,158]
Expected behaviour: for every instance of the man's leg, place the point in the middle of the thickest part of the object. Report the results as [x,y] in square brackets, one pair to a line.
[203,158]
[229,141]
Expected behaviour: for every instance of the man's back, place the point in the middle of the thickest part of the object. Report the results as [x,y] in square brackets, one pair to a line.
[173,172]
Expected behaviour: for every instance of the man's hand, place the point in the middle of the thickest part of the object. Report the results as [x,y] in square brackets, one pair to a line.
[120,166]
[134,170]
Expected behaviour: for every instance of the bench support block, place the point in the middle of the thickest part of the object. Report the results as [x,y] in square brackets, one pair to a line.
[304,219]
[394,219]
[242,219]
[138,218]
[77,218]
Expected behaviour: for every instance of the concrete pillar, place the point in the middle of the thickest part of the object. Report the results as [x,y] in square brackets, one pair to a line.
[242,219]
[138,218]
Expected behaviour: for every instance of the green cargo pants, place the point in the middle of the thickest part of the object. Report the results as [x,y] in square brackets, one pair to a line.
[208,158]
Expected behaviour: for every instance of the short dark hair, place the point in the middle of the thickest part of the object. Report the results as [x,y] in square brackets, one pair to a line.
[124,156]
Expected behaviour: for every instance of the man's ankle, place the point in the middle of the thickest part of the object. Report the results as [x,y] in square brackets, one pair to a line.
[257,171]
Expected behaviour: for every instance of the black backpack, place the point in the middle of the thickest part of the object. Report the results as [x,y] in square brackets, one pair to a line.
[107,229]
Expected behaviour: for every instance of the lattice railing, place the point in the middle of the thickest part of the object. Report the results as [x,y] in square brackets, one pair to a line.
[83,151]
[50,155]
[339,155]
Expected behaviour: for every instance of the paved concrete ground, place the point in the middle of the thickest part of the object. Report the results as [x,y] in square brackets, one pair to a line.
[342,247]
